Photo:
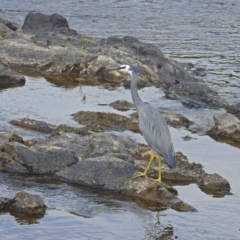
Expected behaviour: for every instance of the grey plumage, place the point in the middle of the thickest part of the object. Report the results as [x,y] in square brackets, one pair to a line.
[151,123]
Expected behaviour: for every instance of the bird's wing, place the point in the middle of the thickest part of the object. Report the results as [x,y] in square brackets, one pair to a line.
[156,133]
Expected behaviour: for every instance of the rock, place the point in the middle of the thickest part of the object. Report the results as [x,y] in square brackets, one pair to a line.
[16,157]
[55,50]
[184,172]
[187,138]
[176,119]
[200,72]
[27,203]
[98,160]
[107,120]
[214,183]
[3,202]
[9,78]
[122,105]
[235,109]
[156,192]
[40,23]
[36,125]
[199,91]
[226,126]
[11,25]
[106,172]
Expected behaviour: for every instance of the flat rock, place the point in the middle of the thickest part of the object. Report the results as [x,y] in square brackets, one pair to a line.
[9,78]
[16,157]
[184,172]
[106,172]
[32,124]
[226,126]
[122,105]
[27,203]
[214,183]
[107,120]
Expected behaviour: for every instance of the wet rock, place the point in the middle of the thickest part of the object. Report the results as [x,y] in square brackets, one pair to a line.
[32,124]
[200,72]
[184,172]
[157,192]
[226,126]
[9,78]
[187,138]
[11,25]
[199,91]
[3,202]
[122,105]
[106,172]
[176,119]
[16,157]
[39,23]
[107,120]
[56,53]
[27,203]
[235,109]
[99,160]
[192,103]
[214,183]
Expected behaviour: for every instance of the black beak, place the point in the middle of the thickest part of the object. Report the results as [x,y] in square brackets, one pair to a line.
[113,69]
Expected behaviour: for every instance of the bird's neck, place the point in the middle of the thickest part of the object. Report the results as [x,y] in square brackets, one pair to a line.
[136,99]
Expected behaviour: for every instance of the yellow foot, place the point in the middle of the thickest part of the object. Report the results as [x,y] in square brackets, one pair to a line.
[156,180]
[141,174]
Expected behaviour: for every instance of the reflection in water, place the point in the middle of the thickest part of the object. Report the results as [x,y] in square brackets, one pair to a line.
[26,219]
[87,210]
[205,33]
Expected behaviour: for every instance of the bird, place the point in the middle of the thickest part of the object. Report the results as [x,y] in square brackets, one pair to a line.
[152,126]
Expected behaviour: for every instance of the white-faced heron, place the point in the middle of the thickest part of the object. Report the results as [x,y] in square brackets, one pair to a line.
[152,126]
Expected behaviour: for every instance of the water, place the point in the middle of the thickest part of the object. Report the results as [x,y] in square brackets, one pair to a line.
[206,33]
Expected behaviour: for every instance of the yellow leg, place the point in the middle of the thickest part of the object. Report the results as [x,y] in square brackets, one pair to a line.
[144,174]
[159,179]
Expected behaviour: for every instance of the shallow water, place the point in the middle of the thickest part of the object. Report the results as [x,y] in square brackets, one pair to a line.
[205,33]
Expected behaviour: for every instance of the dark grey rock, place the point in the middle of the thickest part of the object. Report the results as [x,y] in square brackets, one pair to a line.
[235,109]
[27,203]
[11,25]
[40,23]
[226,126]
[105,172]
[176,119]
[3,202]
[122,105]
[155,192]
[200,72]
[199,91]
[36,125]
[9,78]
[214,183]
[47,161]
[107,120]
[184,172]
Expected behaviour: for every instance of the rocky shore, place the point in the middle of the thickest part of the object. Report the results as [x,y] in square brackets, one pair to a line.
[88,155]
